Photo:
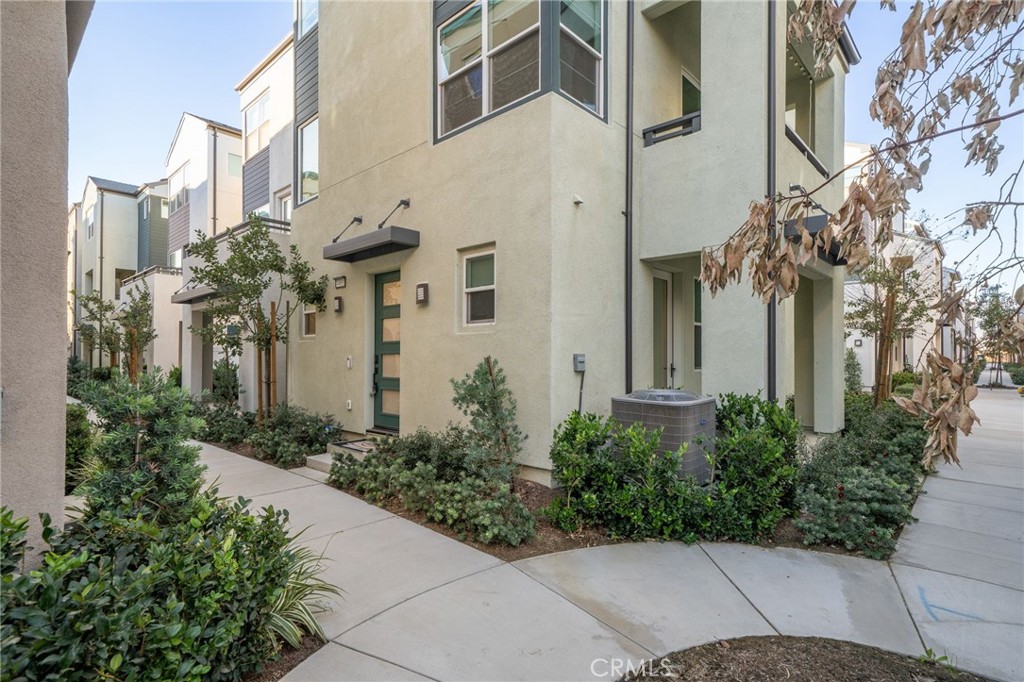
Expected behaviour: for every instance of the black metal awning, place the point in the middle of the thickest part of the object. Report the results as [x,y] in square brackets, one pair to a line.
[372,244]
[193,295]
[814,225]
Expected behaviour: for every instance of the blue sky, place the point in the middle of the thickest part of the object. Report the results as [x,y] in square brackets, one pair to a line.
[142,64]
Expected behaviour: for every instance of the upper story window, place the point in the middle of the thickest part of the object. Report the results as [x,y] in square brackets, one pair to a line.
[177,187]
[581,51]
[90,222]
[257,125]
[235,165]
[309,14]
[163,208]
[309,160]
[488,58]
[144,208]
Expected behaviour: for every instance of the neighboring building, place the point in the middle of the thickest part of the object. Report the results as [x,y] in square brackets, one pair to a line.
[204,172]
[914,245]
[38,44]
[510,147]
[71,280]
[164,351]
[152,209]
[107,249]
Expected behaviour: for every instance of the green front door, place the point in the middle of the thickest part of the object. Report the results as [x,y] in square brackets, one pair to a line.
[386,348]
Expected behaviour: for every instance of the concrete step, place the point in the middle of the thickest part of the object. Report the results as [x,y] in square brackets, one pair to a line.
[320,462]
[312,474]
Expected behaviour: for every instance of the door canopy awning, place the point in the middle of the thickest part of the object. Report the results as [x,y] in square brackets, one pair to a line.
[379,242]
[194,294]
[814,225]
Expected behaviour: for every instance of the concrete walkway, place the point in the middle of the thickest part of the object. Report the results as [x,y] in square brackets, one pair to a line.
[419,605]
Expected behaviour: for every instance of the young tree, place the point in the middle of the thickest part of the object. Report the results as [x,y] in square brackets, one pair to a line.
[97,327]
[991,310]
[121,330]
[957,62]
[238,313]
[892,303]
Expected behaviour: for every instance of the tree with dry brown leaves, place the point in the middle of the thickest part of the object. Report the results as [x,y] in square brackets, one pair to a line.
[956,63]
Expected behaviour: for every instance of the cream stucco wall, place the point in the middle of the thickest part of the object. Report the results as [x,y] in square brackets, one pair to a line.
[34,65]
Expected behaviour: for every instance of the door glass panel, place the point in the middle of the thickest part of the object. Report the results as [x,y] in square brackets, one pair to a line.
[391,329]
[389,401]
[392,293]
[392,366]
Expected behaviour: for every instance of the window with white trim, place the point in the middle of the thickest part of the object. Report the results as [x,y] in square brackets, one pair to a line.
[309,15]
[90,222]
[309,160]
[178,188]
[284,207]
[163,208]
[257,125]
[581,51]
[144,207]
[235,165]
[488,56]
[479,288]
[309,320]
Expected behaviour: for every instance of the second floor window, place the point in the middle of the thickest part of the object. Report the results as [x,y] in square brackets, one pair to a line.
[178,189]
[144,208]
[488,57]
[581,48]
[309,160]
[90,222]
[257,125]
[309,14]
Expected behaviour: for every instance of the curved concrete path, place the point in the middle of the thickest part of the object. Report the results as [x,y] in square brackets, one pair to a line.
[419,605]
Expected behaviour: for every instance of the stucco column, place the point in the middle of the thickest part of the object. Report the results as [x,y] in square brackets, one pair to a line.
[829,386]
[192,352]
[735,344]
[33,253]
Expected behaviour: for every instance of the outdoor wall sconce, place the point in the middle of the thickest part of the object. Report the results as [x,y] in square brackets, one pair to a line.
[339,304]
[858,343]
[422,293]
[340,282]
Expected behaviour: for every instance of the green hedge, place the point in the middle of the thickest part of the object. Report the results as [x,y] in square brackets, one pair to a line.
[78,442]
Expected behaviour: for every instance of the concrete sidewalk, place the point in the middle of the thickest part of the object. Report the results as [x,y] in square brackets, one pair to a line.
[418,605]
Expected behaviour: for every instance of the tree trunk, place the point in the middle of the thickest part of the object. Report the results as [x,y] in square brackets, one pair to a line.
[259,380]
[883,382]
[273,353]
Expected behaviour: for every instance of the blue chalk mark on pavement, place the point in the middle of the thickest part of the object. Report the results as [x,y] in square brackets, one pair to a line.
[932,608]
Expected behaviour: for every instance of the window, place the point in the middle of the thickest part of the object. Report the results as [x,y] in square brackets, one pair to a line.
[479,288]
[488,58]
[144,208]
[120,276]
[178,188]
[263,211]
[309,320]
[580,51]
[698,338]
[174,258]
[257,126]
[90,222]
[235,165]
[309,14]
[691,95]
[163,208]
[284,207]
[309,160]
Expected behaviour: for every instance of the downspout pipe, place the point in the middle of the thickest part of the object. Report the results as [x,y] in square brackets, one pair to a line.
[628,213]
[770,189]
[214,190]
[103,214]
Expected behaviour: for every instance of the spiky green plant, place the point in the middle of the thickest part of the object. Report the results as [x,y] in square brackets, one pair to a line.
[294,611]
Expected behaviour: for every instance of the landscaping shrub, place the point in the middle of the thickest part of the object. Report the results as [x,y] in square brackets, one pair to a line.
[289,434]
[103,374]
[174,376]
[224,423]
[225,381]
[78,374]
[859,507]
[905,378]
[852,371]
[77,444]
[1015,371]
[143,461]
[460,477]
[625,485]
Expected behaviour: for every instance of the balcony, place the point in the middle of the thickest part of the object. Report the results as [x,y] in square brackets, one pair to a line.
[677,127]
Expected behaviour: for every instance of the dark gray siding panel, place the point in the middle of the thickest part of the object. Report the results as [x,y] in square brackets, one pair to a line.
[157,234]
[177,229]
[446,9]
[306,77]
[256,181]
[143,254]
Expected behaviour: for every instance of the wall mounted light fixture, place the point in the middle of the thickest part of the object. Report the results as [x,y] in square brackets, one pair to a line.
[339,304]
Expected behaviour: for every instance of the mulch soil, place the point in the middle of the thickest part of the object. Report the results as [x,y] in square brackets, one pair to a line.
[289,659]
[798,659]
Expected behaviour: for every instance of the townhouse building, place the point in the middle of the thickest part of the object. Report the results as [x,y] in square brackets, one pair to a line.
[535,180]
[259,179]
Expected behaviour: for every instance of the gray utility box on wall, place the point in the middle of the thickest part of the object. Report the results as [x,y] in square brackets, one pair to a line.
[684,416]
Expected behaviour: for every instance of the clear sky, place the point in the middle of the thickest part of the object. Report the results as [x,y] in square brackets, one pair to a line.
[141,64]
